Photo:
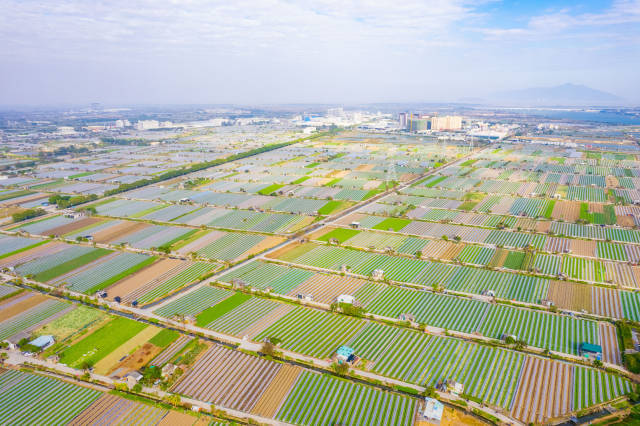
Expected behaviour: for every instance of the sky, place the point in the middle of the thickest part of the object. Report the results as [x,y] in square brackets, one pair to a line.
[133,52]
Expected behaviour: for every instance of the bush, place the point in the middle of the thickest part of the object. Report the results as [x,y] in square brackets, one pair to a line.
[632,362]
[27,214]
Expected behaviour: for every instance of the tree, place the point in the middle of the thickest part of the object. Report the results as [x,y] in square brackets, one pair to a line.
[172,399]
[268,348]
[340,368]
[520,344]
[430,392]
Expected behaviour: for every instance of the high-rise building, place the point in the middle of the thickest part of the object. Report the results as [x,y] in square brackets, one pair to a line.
[402,120]
[446,122]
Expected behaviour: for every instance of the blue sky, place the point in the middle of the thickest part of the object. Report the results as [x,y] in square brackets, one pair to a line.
[333,51]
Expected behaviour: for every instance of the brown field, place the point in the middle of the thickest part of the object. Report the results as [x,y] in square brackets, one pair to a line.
[365,167]
[176,418]
[135,281]
[325,288]
[306,221]
[276,392]
[106,364]
[256,328]
[498,258]
[70,227]
[8,211]
[336,174]
[320,232]
[625,221]
[281,252]
[526,223]
[543,226]
[583,248]
[261,246]
[228,378]
[544,390]
[609,342]
[611,181]
[636,274]
[408,176]
[138,359]
[596,208]
[569,295]
[569,211]
[353,217]
[118,231]
[453,417]
[620,274]
[23,305]
[452,251]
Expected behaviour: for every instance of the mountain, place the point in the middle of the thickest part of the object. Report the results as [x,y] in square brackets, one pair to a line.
[565,95]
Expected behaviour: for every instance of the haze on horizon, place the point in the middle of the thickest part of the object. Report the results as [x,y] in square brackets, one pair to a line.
[329,51]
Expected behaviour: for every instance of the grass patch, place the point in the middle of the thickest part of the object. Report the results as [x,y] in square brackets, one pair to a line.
[549,209]
[332,182]
[191,238]
[340,234]
[514,260]
[121,275]
[332,206]
[270,189]
[39,243]
[371,193]
[101,203]
[71,323]
[610,215]
[70,265]
[392,223]
[180,238]
[473,196]
[299,181]
[227,305]
[468,163]
[434,182]
[312,165]
[102,342]
[164,338]
[79,175]
[467,205]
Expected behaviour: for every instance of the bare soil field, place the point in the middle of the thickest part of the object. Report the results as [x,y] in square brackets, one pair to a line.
[261,246]
[569,295]
[135,281]
[626,221]
[106,364]
[611,181]
[325,288]
[606,302]
[596,208]
[350,218]
[365,167]
[569,211]
[498,258]
[277,391]
[137,360]
[583,248]
[70,227]
[282,251]
[118,231]
[176,418]
[526,223]
[543,226]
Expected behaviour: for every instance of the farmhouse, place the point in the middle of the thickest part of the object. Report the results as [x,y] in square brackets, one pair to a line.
[42,342]
[345,354]
[346,298]
[589,350]
[433,410]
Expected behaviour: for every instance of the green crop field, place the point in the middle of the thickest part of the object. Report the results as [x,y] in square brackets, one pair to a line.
[101,342]
[340,234]
[164,338]
[211,314]
[392,223]
[70,265]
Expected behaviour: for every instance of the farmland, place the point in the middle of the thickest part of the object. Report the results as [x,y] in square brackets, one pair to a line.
[489,268]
